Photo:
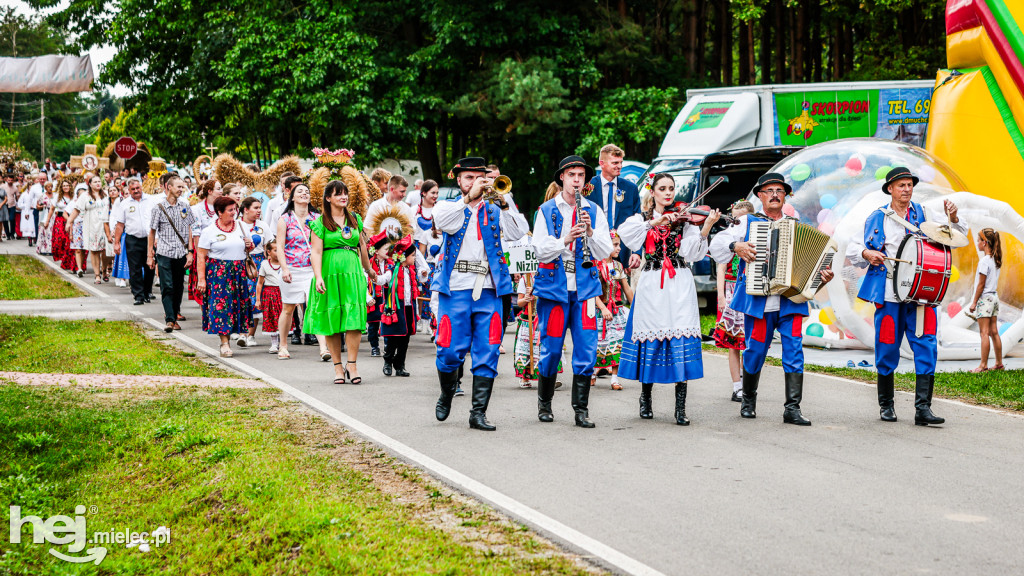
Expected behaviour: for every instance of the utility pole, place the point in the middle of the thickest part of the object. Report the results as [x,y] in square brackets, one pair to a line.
[42,130]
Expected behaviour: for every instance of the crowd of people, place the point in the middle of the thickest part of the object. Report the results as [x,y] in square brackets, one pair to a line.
[613,269]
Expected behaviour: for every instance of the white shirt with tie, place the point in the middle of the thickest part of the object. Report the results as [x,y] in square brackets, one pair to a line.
[609,188]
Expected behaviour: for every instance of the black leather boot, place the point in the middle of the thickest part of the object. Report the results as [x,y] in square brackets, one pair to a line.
[580,400]
[923,401]
[886,397]
[681,418]
[482,387]
[794,393]
[545,391]
[748,404]
[645,401]
[448,381]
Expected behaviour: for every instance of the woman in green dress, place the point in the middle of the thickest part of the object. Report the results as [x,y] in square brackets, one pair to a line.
[337,301]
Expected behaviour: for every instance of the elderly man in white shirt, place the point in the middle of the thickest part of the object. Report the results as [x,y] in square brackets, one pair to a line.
[132,216]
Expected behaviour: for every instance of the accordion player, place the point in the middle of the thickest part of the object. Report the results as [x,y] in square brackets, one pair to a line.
[765,309]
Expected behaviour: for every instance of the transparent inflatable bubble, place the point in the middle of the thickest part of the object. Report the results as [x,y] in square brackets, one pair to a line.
[838,184]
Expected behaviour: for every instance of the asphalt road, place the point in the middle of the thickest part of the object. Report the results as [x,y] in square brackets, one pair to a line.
[849,495]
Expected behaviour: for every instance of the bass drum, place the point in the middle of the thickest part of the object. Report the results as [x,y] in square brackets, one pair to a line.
[921,273]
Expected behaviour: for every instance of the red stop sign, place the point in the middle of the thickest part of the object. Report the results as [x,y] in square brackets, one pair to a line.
[126,148]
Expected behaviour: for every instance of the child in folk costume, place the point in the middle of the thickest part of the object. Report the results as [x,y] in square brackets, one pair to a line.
[430,244]
[985,302]
[729,323]
[381,264]
[613,306]
[398,318]
[268,294]
[427,237]
[662,343]
[521,350]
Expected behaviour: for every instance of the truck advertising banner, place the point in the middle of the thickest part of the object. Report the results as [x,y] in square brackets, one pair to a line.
[706,115]
[806,118]
[903,114]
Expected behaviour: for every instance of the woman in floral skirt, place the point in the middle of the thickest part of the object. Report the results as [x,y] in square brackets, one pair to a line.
[227,306]
[60,241]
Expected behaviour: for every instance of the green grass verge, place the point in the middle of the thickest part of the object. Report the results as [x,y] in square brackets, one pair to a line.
[37,344]
[1001,389]
[25,278]
[998,388]
[246,483]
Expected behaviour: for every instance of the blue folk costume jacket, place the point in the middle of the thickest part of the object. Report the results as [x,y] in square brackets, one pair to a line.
[873,288]
[490,231]
[551,282]
[754,305]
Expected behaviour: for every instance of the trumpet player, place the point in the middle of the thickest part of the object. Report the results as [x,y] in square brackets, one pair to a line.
[570,233]
[470,277]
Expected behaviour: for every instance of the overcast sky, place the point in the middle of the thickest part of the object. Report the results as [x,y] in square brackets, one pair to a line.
[100,56]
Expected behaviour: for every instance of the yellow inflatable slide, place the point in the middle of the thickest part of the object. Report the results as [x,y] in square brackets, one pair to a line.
[977,109]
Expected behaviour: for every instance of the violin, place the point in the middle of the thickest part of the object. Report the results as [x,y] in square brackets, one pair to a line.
[695,213]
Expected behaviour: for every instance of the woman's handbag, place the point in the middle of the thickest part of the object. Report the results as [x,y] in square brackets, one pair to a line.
[252,272]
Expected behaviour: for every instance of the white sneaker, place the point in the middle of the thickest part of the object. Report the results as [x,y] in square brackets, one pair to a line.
[273,349]
[241,341]
[250,341]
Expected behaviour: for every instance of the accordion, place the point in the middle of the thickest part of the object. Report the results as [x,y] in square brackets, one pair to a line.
[790,256]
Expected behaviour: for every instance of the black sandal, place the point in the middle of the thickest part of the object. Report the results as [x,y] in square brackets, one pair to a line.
[340,380]
[357,379]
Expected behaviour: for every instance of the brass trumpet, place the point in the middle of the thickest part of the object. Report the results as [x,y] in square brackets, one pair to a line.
[494,191]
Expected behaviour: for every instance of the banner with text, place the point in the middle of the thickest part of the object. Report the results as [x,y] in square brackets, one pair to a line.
[806,118]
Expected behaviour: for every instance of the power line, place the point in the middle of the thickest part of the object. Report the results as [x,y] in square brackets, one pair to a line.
[30,103]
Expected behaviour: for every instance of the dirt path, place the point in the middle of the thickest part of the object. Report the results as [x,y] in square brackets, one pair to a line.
[123,381]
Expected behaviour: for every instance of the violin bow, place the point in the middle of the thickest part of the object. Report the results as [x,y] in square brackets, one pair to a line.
[707,191]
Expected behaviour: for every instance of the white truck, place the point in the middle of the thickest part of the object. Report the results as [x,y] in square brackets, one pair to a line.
[740,132]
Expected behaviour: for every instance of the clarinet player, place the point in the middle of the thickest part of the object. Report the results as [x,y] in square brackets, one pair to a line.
[763,315]
[570,232]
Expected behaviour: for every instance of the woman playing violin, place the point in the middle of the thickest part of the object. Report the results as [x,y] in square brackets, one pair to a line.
[662,342]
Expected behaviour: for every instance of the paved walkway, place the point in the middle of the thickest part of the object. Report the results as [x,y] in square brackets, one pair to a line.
[125,381]
[849,495]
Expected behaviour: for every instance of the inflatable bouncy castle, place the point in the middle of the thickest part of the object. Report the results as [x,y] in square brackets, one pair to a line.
[977,109]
